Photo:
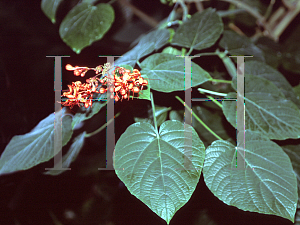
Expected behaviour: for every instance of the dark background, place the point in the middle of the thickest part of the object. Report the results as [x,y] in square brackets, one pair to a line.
[83,195]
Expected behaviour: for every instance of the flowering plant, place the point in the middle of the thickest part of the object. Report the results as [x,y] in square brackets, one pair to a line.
[161,150]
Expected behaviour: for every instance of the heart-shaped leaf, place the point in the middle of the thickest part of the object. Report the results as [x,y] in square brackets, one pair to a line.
[152,164]
[166,72]
[86,24]
[266,109]
[199,32]
[266,185]
[28,150]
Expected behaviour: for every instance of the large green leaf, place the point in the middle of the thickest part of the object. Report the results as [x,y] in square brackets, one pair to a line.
[28,150]
[147,44]
[293,152]
[166,72]
[266,185]
[70,156]
[262,70]
[49,7]
[151,164]
[86,24]
[240,45]
[266,109]
[200,32]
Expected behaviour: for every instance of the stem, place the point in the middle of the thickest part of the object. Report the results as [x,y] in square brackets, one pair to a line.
[147,19]
[201,90]
[190,51]
[253,12]
[283,24]
[139,64]
[207,53]
[199,120]
[153,111]
[102,127]
[269,9]
[184,9]
[215,101]
[221,81]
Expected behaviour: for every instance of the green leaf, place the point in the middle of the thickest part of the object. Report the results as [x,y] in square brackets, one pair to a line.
[85,114]
[271,49]
[49,7]
[147,44]
[260,69]
[151,165]
[246,18]
[213,120]
[145,93]
[291,58]
[177,115]
[267,110]
[70,156]
[166,72]
[297,91]
[161,114]
[128,67]
[239,46]
[86,24]
[200,32]
[293,152]
[28,150]
[266,185]
[171,50]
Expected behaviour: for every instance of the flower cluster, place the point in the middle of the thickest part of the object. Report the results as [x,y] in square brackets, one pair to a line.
[125,83]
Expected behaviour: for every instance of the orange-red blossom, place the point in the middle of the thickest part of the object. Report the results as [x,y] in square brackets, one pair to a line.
[125,83]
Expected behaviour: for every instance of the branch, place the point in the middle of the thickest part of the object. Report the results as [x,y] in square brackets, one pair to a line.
[147,19]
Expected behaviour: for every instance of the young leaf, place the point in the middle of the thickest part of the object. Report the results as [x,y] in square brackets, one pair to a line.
[152,164]
[166,72]
[239,45]
[260,69]
[28,150]
[147,44]
[49,7]
[266,109]
[200,32]
[86,24]
[266,185]
[70,156]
